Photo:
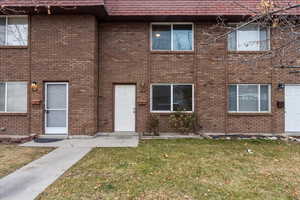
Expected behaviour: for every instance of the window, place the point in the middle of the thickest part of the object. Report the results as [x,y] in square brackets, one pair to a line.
[13,97]
[172,97]
[249,38]
[172,37]
[249,98]
[13,30]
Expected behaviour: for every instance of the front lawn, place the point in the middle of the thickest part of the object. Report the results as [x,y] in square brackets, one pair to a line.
[185,169]
[13,157]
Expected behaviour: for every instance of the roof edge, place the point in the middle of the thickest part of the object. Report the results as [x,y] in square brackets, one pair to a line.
[51,3]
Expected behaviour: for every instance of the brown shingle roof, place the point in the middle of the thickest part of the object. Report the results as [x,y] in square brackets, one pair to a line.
[29,3]
[161,7]
[187,7]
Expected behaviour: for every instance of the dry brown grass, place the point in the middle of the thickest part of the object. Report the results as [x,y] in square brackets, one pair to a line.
[184,169]
[13,157]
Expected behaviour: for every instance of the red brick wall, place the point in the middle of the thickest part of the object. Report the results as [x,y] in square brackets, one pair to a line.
[14,66]
[126,58]
[65,48]
[123,59]
[62,48]
[246,68]
[263,70]
[210,69]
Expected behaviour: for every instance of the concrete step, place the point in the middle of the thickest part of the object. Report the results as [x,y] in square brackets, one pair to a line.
[99,134]
[17,139]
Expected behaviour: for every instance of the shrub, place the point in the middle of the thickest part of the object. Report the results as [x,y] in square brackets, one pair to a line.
[153,125]
[183,122]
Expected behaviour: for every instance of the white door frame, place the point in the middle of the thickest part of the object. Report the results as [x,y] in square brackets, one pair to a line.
[285,109]
[114,106]
[57,131]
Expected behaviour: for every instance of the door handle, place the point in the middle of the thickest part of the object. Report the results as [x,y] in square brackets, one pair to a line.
[134,110]
[47,111]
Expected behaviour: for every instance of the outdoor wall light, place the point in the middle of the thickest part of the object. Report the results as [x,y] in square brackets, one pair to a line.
[34,86]
[280,86]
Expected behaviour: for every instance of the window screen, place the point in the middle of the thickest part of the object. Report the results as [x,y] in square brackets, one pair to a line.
[249,38]
[249,98]
[14,31]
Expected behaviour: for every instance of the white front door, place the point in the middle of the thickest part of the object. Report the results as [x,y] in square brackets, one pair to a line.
[292,108]
[56,108]
[125,108]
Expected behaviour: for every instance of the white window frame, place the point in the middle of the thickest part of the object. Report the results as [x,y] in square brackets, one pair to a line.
[237,99]
[172,99]
[172,24]
[6,28]
[258,32]
[5,99]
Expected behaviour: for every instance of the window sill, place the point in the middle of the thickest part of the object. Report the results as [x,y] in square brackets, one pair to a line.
[13,47]
[169,112]
[12,114]
[171,52]
[249,114]
[248,52]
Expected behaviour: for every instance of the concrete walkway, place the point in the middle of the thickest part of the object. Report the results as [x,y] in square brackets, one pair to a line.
[29,181]
[101,140]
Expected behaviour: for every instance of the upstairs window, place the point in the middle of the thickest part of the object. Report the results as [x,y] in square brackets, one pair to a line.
[13,30]
[13,97]
[249,38]
[172,97]
[172,37]
[249,98]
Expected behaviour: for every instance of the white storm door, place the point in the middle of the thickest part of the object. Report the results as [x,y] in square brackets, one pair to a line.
[56,108]
[292,108]
[125,107]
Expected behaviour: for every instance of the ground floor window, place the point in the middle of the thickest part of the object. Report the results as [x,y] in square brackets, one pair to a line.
[13,97]
[249,98]
[172,97]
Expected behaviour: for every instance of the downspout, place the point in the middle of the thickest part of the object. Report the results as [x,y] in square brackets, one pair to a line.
[30,61]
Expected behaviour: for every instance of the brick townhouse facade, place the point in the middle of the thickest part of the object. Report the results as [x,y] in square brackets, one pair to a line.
[104,66]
